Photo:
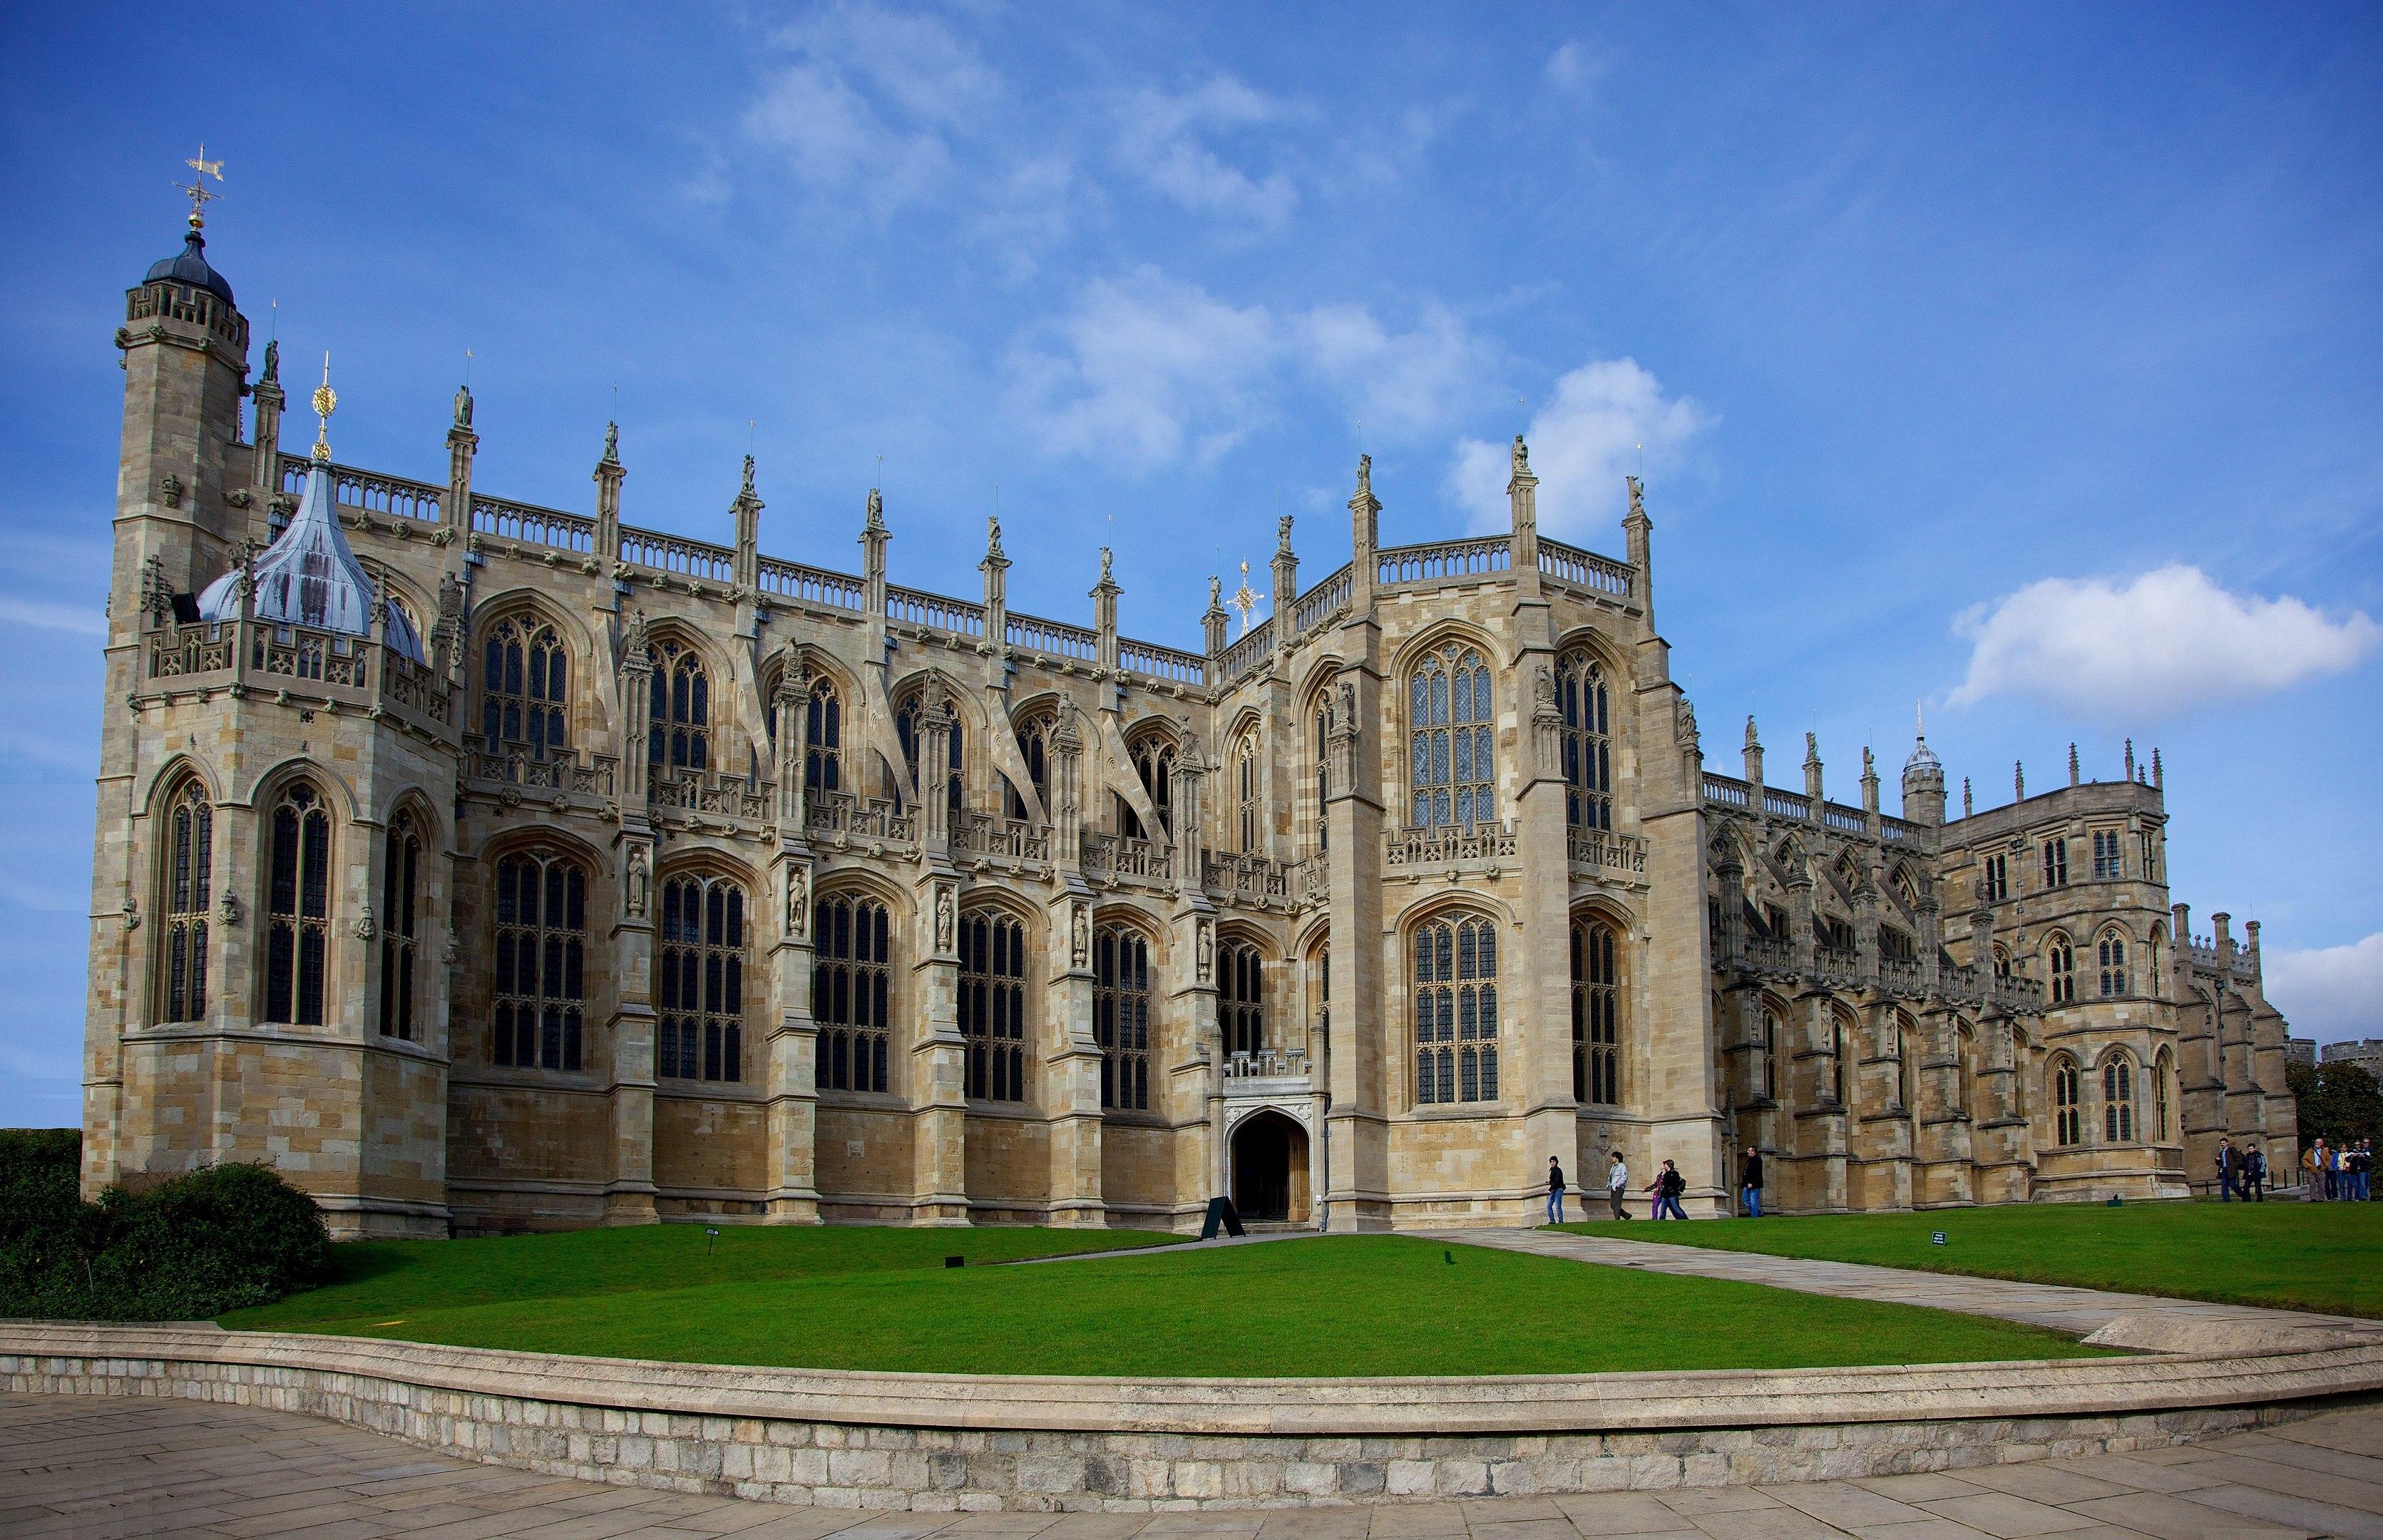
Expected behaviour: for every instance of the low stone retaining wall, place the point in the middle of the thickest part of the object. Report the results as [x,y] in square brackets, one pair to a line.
[944,1442]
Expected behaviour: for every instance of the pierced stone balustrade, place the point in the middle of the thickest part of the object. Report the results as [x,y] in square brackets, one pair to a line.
[1447,844]
[1111,860]
[553,770]
[1237,874]
[1268,1064]
[840,817]
[694,791]
[1596,851]
[1009,839]
[299,662]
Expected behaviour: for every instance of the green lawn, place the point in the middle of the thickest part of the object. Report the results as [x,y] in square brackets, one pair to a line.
[2304,1256]
[881,1299]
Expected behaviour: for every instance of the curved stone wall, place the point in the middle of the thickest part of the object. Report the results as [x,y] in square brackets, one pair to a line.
[838,1439]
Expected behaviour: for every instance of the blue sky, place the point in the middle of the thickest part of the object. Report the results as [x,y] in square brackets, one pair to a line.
[2024,361]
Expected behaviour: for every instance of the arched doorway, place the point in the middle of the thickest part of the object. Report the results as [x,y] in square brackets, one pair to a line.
[1270,1169]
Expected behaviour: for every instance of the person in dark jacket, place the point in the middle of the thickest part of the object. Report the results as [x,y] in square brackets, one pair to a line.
[1669,1184]
[1750,1183]
[1555,1192]
[2229,1172]
[2255,1174]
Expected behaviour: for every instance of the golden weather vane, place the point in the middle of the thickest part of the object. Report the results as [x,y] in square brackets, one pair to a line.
[1244,599]
[196,190]
[326,403]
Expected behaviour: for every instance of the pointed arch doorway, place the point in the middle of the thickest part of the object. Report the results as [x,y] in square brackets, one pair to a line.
[1270,1181]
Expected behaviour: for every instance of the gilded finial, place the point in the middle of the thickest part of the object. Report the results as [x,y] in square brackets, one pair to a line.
[326,401]
[1245,598]
[196,190]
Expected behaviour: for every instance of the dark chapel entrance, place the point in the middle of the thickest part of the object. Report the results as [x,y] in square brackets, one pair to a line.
[1270,1169]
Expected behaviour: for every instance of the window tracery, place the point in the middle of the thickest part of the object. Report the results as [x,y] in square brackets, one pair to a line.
[2061,964]
[1247,799]
[2068,1096]
[1121,1016]
[1596,1015]
[525,686]
[1456,1010]
[851,985]
[910,726]
[1154,766]
[701,1031]
[1450,722]
[1241,1011]
[992,1005]
[679,734]
[2119,1100]
[2110,958]
[1587,743]
[298,908]
[189,860]
[400,914]
[822,737]
[540,976]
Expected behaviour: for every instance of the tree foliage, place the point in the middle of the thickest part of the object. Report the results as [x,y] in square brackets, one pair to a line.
[2340,1102]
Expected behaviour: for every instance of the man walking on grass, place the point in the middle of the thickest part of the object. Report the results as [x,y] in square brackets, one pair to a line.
[1750,1183]
[2229,1172]
[2255,1174]
[1617,1185]
[1555,1192]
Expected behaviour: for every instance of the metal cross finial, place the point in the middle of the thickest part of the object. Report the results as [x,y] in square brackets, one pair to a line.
[196,189]
[1245,598]
[326,403]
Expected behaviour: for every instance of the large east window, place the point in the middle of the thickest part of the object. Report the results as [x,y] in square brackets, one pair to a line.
[541,962]
[525,686]
[297,907]
[679,734]
[1587,742]
[851,982]
[1121,1016]
[992,1005]
[701,1031]
[1451,720]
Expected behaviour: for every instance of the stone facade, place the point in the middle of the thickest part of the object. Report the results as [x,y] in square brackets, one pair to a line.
[686,881]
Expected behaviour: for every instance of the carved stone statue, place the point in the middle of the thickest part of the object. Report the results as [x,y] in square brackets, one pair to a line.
[992,538]
[365,928]
[746,489]
[1282,534]
[945,918]
[1543,683]
[1206,951]
[1215,592]
[462,406]
[797,900]
[132,914]
[612,443]
[229,909]
[1365,475]
[876,509]
[638,882]
[1637,508]
[1522,457]
[1687,724]
[1080,945]
[272,362]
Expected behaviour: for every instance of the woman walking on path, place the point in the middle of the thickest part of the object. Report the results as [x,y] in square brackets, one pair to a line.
[1617,1183]
[1667,1187]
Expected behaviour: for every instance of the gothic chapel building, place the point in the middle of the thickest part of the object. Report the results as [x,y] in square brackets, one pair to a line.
[484,866]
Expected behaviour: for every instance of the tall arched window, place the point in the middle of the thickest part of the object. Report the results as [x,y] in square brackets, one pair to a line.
[2162,1068]
[1587,747]
[702,995]
[1770,1052]
[2110,957]
[2061,965]
[189,860]
[298,908]
[1121,1016]
[908,726]
[2068,1096]
[1153,765]
[823,738]
[1905,1092]
[1242,1012]
[1034,748]
[2002,964]
[679,736]
[851,982]
[401,910]
[1456,1011]
[992,1005]
[541,984]
[525,686]
[1323,779]
[1838,1060]
[1246,783]
[1450,723]
[2119,1100]
[1596,1015]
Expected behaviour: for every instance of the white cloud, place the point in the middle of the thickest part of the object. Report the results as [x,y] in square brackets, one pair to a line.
[2329,992]
[1608,417]
[1575,66]
[1147,371]
[2166,641]
[72,618]
[1165,138]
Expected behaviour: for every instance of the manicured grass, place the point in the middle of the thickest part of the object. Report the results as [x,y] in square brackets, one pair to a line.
[2303,1256]
[1357,1305]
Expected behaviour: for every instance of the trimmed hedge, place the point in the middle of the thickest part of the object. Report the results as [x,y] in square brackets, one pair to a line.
[187,1248]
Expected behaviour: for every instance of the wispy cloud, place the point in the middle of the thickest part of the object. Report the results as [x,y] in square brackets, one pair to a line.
[1147,371]
[2160,645]
[1169,140]
[1607,417]
[42,615]
[2329,992]
[1574,68]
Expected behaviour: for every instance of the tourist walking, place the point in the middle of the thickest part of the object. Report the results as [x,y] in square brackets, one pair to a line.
[2366,1168]
[2255,1174]
[1555,1192]
[2229,1171]
[1750,1183]
[1668,1185]
[1617,1184]
[2314,1166]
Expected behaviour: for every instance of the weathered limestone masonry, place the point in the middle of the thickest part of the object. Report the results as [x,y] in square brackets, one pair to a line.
[488,867]
[937,1442]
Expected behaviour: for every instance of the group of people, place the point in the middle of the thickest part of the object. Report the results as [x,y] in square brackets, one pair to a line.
[1662,1194]
[2338,1174]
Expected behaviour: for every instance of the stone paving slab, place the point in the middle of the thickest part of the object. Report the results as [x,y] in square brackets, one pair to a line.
[2142,1321]
[76,1467]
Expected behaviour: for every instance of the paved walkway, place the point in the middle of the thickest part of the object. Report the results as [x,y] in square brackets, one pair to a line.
[111,1469]
[2148,1319]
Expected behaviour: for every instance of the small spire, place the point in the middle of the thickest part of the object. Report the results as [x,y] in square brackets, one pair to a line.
[2019,782]
[2155,767]
[2130,758]
[326,403]
[2072,763]
[1919,719]
[1968,807]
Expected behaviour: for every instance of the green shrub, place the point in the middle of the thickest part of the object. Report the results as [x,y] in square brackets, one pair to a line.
[189,1247]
